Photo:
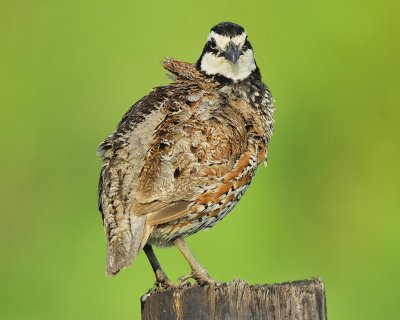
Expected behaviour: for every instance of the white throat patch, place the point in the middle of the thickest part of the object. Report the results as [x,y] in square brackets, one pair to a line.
[212,65]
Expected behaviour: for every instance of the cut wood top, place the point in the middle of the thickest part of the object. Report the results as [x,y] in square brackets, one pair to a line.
[238,300]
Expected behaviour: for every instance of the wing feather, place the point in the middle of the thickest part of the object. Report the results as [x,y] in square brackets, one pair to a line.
[123,154]
[193,150]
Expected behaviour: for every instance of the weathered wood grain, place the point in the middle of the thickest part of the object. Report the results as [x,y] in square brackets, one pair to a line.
[300,300]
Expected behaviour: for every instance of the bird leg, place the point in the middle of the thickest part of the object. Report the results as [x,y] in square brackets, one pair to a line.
[161,277]
[198,272]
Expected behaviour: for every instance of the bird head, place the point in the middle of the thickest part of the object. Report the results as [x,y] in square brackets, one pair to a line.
[227,53]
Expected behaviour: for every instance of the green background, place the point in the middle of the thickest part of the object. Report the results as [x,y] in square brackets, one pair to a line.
[326,206]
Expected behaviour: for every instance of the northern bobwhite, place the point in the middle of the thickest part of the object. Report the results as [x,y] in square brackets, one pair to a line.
[182,156]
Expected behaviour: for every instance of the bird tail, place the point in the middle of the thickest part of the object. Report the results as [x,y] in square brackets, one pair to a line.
[122,250]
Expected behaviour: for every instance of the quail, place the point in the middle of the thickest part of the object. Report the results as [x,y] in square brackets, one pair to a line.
[182,156]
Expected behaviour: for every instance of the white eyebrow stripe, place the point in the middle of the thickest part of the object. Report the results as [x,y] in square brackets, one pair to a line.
[222,41]
[240,39]
[212,64]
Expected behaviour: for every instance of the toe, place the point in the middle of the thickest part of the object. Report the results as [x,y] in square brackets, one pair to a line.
[203,278]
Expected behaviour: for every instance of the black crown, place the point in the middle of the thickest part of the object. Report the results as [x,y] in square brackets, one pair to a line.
[229,29]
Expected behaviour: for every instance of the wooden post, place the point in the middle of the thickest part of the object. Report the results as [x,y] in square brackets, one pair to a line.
[300,300]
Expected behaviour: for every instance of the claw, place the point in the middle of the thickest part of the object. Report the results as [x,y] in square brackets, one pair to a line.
[164,285]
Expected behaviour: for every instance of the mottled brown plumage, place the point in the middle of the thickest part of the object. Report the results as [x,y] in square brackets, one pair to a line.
[180,159]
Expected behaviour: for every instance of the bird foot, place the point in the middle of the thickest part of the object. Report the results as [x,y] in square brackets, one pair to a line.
[162,281]
[202,278]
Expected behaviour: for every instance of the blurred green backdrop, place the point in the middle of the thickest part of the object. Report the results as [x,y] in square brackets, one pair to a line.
[326,206]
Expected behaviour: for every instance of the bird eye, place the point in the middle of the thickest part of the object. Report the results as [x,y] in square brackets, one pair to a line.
[213,44]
